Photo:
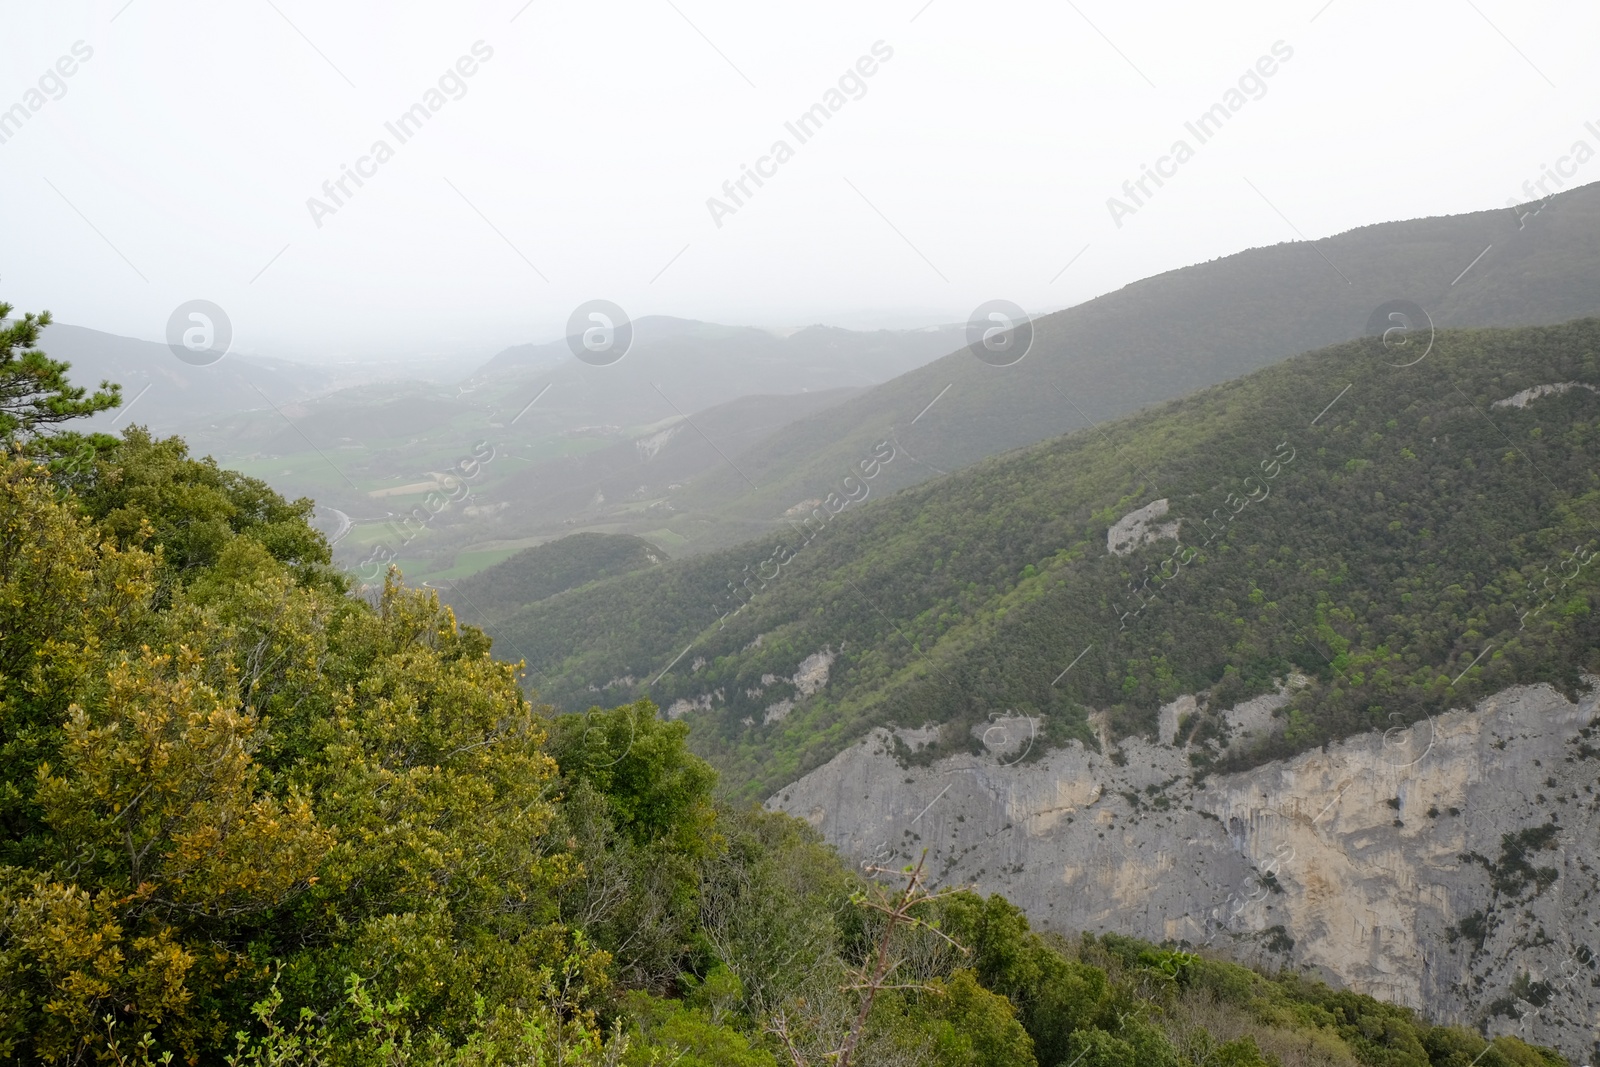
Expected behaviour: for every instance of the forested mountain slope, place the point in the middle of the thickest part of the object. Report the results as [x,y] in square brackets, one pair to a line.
[554,567]
[249,817]
[1408,537]
[1166,336]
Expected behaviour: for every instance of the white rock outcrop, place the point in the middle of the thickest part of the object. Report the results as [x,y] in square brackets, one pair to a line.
[1431,866]
[648,447]
[1521,400]
[1139,528]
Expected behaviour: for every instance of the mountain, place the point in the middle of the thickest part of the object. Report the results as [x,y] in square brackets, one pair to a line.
[163,392]
[678,366]
[742,359]
[1405,537]
[1164,337]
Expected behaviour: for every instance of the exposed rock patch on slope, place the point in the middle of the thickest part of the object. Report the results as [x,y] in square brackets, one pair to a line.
[810,676]
[1521,400]
[649,445]
[1453,867]
[1139,528]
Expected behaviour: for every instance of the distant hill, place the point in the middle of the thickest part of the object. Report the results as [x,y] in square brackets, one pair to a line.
[677,367]
[1164,337]
[554,567]
[743,357]
[1406,538]
[161,391]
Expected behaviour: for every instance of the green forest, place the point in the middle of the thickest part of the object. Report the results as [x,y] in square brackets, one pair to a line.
[251,815]
[551,568]
[1388,532]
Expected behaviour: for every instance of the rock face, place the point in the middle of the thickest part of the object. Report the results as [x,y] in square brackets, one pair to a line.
[1453,867]
[648,447]
[1521,400]
[1139,527]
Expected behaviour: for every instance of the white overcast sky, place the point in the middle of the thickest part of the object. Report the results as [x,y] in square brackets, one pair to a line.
[976,166]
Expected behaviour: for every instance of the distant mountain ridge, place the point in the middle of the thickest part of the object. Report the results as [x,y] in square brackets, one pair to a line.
[171,394]
[1169,335]
[854,356]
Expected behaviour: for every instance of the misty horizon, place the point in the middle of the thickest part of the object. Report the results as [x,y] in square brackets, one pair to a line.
[517,181]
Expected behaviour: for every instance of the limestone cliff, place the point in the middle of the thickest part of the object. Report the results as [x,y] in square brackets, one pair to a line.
[1452,867]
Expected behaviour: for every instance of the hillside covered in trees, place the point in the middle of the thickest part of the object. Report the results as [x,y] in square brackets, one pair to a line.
[1407,538]
[1160,338]
[248,816]
[553,567]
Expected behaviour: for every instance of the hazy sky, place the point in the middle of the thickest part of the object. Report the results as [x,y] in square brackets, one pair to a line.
[577,158]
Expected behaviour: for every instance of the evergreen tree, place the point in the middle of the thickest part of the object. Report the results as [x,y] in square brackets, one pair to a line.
[35,396]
